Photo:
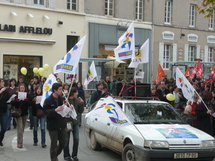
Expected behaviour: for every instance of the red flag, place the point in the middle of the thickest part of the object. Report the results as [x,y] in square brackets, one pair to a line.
[160,74]
[199,70]
[194,71]
[212,72]
[207,81]
[187,72]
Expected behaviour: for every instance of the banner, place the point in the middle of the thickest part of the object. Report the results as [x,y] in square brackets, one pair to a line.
[160,74]
[110,109]
[47,87]
[142,56]
[184,84]
[90,75]
[69,62]
[126,47]
[187,72]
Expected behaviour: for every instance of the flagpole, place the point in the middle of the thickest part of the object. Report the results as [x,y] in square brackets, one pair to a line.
[70,87]
[135,83]
[202,100]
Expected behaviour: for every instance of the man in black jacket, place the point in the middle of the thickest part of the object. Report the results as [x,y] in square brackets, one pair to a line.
[56,124]
[97,94]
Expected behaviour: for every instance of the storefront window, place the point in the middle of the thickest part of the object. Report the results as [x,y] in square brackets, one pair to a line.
[13,64]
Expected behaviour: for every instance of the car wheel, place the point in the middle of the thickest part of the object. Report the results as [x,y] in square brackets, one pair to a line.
[128,153]
[93,142]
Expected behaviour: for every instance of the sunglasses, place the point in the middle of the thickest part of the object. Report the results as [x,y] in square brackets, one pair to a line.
[6,72]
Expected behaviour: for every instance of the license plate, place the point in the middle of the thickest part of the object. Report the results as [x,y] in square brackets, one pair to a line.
[185,155]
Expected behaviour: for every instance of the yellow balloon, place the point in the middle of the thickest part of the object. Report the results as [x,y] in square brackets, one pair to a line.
[41,71]
[23,70]
[46,67]
[170,97]
[35,70]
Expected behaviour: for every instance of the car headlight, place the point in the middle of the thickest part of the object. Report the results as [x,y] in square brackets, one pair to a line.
[156,144]
[208,143]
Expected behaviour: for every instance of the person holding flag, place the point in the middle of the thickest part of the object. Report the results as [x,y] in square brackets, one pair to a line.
[56,124]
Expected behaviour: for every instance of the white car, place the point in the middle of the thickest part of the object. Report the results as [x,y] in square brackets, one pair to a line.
[158,134]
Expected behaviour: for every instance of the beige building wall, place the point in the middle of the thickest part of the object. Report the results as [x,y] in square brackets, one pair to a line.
[73,25]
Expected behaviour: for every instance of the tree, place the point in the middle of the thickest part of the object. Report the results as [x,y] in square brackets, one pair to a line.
[206,8]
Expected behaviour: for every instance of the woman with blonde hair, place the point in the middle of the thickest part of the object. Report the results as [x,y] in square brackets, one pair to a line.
[187,115]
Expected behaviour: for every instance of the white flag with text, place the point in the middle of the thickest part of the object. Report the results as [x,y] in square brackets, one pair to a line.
[91,74]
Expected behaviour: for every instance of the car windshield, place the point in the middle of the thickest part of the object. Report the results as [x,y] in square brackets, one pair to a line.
[156,113]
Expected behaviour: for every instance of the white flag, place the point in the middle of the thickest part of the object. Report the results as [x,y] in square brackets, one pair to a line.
[184,84]
[69,62]
[47,87]
[110,110]
[90,75]
[126,47]
[142,56]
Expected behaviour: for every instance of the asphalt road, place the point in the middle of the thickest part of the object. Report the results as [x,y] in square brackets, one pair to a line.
[10,152]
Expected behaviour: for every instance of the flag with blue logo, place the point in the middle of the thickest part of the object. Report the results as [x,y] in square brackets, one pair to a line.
[184,84]
[69,62]
[47,88]
[91,74]
[110,110]
[126,47]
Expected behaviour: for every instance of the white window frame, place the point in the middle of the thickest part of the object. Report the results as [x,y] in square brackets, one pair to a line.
[139,9]
[192,17]
[192,53]
[108,8]
[39,1]
[168,12]
[211,21]
[167,56]
[73,5]
[210,54]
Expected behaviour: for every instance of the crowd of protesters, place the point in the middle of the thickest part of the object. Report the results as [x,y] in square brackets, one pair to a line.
[196,112]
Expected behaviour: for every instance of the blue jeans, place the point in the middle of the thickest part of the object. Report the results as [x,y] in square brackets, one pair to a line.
[30,116]
[75,133]
[42,127]
[8,119]
[79,118]
[4,126]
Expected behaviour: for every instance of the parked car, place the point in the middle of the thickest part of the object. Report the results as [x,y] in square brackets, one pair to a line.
[158,133]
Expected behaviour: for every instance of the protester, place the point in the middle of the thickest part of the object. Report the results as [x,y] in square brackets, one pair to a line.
[78,104]
[4,96]
[105,92]
[114,80]
[23,105]
[97,94]
[35,108]
[65,90]
[21,80]
[56,124]
[187,115]
[81,94]
[107,80]
[153,93]
[163,91]
[11,90]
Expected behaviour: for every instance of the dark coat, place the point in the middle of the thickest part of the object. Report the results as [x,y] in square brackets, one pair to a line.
[4,97]
[82,94]
[95,96]
[35,106]
[161,94]
[22,104]
[203,119]
[55,121]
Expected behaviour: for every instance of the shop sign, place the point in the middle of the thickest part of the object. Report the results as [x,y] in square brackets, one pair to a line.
[211,39]
[168,35]
[26,29]
[192,37]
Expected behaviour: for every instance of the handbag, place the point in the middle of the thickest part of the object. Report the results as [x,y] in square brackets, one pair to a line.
[40,113]
[16,112]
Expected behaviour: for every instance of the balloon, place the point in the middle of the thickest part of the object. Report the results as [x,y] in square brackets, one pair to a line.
[41,71]
[46,67]
[23,70]
[35,70]
[170,97]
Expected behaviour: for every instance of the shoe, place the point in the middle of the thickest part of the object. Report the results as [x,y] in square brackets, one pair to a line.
[68,159]
[19,146]
[1,144]
[14,127]
[43,145]
[31,128]
[35,144]
[8,128]
[75,159]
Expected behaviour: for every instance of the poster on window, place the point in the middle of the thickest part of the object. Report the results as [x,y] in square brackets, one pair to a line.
[181,67]
[10,71]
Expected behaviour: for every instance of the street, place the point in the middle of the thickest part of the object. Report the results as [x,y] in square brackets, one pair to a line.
[10,152]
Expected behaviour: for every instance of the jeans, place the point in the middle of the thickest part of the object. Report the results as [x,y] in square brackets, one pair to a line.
[75,133]
[42,127]
[4,126]
[20,121]
[79,118]
[30,117]
[55,149]
[8,119]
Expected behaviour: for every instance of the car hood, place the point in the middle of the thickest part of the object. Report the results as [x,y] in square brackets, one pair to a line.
[173,133]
